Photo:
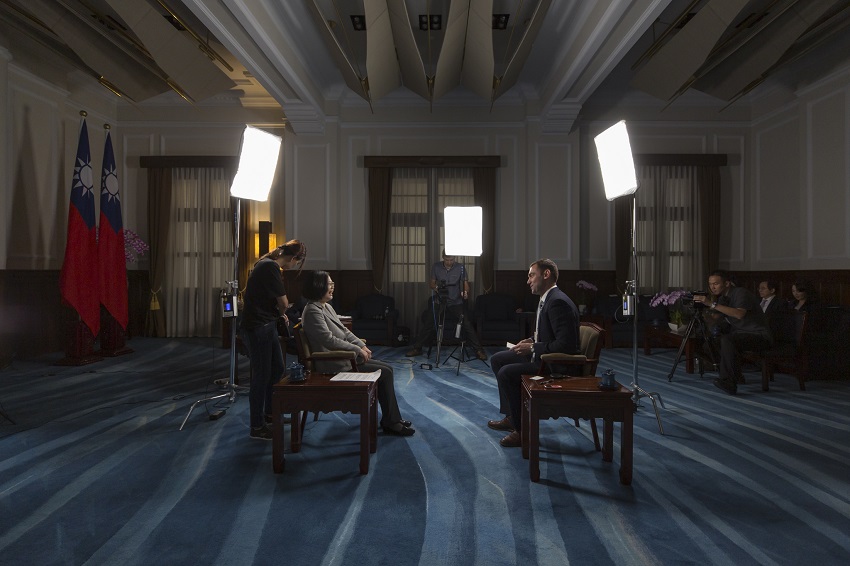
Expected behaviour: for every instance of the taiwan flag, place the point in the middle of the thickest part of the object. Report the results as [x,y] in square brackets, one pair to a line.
[78,281]
[112,259]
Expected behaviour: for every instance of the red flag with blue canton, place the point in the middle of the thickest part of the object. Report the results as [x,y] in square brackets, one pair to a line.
[78,280]
[113,262]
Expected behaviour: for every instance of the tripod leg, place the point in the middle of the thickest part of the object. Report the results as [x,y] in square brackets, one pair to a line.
[684,343]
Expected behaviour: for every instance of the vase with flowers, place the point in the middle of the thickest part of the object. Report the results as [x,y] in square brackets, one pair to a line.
[584,288]
[134,246]
[676,311]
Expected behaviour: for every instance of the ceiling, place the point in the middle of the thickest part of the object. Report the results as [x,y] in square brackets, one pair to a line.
[549,60]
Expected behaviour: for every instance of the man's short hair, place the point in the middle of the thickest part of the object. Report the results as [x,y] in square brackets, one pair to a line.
[724,275]
[544,264]
[772,285]
[446,256]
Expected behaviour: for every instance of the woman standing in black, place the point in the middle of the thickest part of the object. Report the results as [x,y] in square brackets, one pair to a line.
[265,302]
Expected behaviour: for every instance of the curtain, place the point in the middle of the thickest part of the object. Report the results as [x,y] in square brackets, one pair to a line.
[484,181]
[199,251]
[708,179]
[670,227]
[159,206]
[380,195]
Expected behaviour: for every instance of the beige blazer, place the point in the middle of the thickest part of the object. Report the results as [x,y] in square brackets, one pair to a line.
[325,332]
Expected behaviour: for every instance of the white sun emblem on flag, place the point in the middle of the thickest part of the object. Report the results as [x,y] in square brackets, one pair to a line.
[109,185]
[83,178]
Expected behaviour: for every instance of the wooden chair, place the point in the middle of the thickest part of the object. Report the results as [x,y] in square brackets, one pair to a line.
[307,356]
[591,338]
[785,357]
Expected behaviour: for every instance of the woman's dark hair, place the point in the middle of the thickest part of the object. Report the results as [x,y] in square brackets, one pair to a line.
[804,286]
[316,285]
[294,248]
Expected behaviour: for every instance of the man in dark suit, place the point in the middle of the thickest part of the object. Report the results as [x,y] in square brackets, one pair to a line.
[556,330]
[775,309]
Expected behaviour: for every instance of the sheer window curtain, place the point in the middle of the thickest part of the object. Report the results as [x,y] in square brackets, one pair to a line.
[416,233]
[199,251]
[670,228]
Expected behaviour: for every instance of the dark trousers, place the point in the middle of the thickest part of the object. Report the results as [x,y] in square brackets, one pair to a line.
[267,367]
[428,334]
[390,413]
[731,346]
[509,369]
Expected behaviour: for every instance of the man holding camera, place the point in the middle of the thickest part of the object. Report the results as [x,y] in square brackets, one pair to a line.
[747,328]
[450,282]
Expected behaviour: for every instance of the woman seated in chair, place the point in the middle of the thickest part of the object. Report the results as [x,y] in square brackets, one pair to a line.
[325,332]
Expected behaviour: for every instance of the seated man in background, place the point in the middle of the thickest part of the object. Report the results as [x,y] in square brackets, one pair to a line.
[747,327]
[775,309]
[449,281]
[556,330]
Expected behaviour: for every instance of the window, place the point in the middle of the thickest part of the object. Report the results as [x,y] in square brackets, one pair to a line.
[668,228]
[199,251]
[417,235]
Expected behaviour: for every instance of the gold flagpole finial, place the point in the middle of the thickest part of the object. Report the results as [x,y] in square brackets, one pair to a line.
[83,113]
[106,126]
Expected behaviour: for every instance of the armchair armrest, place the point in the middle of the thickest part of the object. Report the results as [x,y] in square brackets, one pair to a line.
[571,360]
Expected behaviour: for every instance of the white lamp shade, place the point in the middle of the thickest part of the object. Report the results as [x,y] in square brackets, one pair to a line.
[257,165]
[463,226]
[616,161]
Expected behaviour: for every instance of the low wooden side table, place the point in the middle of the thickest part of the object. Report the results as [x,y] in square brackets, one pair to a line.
[578,397]
[318,393]
[666,338]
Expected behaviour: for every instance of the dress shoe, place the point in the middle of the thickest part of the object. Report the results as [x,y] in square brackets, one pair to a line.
[398,430]
[727,386]
[414,352]
[513,440]
[504,424]
[405,423]
[482,355]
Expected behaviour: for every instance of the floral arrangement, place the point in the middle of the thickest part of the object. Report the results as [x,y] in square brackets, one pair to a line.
[134,246]
[673,298]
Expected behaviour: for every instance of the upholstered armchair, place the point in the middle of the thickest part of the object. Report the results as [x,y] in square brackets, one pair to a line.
[496,319]
[374,319]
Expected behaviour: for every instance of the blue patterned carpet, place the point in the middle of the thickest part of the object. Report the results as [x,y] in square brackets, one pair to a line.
[96,472]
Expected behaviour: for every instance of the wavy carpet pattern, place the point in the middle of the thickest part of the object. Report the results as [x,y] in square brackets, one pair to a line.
[95,471]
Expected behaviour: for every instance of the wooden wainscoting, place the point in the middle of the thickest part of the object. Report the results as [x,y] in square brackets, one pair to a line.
[33,320]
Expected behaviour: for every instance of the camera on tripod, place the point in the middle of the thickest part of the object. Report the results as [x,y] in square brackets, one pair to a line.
[442,291]
[688,299]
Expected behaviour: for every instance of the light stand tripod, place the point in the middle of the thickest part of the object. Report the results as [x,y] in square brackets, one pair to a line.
[231,386]
[631,296]
[440,300]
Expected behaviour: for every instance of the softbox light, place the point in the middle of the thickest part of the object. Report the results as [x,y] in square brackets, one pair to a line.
[463,226]
[257,164]
[616,161]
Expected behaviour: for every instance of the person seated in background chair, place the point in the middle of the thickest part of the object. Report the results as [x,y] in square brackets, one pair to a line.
[325,332]
[747,327]
[556,331]
[774,308]
[804,296]
[449,278]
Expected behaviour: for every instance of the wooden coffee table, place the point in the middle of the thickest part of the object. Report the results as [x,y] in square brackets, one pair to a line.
[666,338]
[578,397]
[319,394]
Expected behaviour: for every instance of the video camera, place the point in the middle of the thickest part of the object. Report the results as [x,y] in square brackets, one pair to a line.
[688,299]
[442,290]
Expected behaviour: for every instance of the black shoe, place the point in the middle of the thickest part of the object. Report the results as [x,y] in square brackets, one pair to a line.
[262,433]
[405,423]
[268,420]
[400,431]
[727,386]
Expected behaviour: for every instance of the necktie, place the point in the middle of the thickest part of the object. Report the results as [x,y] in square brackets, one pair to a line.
[536,325]
[763,304]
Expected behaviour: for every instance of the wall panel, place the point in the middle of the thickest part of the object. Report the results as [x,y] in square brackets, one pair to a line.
[778,231]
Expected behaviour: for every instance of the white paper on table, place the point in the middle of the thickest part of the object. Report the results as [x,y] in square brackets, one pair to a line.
[509,345]
[357,376]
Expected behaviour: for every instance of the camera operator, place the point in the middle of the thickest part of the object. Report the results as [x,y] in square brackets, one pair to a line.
[450,282]
[747,327]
